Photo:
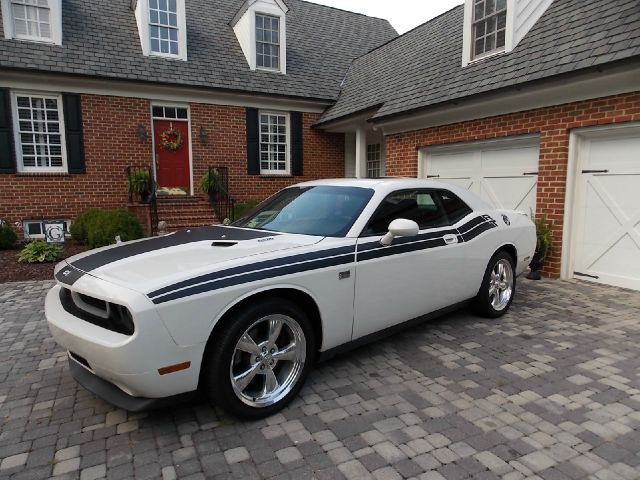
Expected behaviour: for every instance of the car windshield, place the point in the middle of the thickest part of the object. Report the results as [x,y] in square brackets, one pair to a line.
[326,211]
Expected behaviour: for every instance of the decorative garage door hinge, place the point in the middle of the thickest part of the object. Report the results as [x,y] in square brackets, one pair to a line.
[578,274]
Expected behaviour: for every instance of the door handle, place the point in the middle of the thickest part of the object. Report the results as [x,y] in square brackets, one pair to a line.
[450,239]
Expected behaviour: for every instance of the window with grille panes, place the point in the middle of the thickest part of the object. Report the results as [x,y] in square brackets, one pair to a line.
[163,27]
[39,133]
[489,26]
[267,42]
[374,160]
[31,19]
[274,143]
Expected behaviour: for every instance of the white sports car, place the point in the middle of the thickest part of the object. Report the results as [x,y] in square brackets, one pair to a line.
[243,311]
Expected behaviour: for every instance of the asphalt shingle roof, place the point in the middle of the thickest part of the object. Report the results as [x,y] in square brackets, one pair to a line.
[100,39]
[423,67]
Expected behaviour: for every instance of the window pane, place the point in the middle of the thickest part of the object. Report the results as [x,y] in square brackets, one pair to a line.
[501,4]
[416,205]
[455,208]
[500,39]
[40,141]
[479,10]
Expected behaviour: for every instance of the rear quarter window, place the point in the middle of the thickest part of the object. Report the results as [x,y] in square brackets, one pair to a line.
[453,206]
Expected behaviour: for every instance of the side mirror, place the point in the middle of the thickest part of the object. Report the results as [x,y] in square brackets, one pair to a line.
[400,228]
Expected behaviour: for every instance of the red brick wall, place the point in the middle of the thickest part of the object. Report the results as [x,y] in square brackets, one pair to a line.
[111,144]
[226,130]
[553,124]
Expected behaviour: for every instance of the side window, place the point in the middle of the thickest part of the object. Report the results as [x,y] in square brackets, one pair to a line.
[454,208]
[421,206]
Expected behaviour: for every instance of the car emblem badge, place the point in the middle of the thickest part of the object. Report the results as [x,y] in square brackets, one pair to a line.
[506,220]
[66,273]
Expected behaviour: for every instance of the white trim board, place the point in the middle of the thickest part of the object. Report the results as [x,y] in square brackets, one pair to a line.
[161,93]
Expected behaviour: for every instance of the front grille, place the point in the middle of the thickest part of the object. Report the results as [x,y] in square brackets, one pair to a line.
[107,315]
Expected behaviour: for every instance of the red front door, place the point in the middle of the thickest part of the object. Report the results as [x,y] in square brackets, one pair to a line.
[172,154]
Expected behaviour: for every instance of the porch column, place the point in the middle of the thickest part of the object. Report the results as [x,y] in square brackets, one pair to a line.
[361,152]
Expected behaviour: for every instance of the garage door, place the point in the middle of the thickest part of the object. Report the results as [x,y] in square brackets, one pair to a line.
[606,234]
[504,173]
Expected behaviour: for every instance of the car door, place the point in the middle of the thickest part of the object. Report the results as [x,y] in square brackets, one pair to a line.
[413,276]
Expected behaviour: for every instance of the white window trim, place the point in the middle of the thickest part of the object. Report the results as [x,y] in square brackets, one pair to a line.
[276,9]
[55,19]
[142,18]
[255,44]
[467,35]
[16,133]
[268,172]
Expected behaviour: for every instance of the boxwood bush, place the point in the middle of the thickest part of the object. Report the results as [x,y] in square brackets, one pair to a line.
[99,228]
[8,237]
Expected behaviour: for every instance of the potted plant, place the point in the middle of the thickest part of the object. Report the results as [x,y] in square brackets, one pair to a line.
[210,183]
[140,185]
[544,239]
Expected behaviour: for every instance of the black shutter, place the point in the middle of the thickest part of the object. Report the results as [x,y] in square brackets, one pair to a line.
[73,126]
[7,154]
[296,144]
[253,142]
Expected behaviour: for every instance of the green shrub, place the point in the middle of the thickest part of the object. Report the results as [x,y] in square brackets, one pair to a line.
[99,228]
[209,183]
[8,237]
[80,227]
[40,252]
[140,184]
[107,225]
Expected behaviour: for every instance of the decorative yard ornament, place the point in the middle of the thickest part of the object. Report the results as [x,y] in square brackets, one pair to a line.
[171,139]
[54,232]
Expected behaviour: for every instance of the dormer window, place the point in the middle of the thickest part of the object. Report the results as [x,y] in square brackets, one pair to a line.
[162,26]
[267,42]
[261,29]
[489,26]
[34,20]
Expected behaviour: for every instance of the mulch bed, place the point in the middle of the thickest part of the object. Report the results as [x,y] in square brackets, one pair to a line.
[12,271]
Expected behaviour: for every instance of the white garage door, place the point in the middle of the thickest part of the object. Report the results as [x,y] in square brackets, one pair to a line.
[503,172]
[606,234]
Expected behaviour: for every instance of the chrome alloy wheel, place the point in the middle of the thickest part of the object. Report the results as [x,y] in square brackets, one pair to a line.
[268,360]
[501,285]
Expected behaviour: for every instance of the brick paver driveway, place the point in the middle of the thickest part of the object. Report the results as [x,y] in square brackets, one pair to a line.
[551,391]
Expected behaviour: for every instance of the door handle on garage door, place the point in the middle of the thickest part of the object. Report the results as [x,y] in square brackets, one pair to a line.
[450,239]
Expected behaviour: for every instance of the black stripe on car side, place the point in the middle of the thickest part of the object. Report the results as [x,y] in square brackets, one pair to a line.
[314,261]
[256,276]
[126,250]
[251,268]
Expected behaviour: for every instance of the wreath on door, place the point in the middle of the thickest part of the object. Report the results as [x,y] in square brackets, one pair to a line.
[171,139]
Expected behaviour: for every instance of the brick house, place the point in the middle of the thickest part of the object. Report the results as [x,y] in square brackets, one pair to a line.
[533,104]
[87,89]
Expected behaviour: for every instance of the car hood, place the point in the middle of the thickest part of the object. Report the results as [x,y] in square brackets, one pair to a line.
[149,264]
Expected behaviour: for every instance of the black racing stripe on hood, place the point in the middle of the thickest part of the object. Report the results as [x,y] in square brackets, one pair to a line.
[69,275]
[126,250]
[251,267]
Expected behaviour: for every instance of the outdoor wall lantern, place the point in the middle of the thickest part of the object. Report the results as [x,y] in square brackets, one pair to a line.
[204,136]
[142,133]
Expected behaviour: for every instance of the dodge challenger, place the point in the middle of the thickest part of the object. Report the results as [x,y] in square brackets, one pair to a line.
[242,312]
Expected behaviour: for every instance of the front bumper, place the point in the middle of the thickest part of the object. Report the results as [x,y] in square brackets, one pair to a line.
[115,396]
[128,363]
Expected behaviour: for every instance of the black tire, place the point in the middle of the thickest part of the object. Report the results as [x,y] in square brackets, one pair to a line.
[216,381]
[483,304]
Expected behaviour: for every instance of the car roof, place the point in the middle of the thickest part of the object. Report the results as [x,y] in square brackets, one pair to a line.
[384,186]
